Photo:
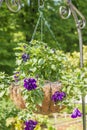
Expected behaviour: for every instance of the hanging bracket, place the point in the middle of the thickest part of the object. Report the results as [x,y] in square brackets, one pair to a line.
[65,12]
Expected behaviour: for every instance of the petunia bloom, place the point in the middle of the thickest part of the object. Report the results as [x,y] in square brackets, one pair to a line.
[30,84]
[25,57]
[76,113]
[30,125]
[58,96]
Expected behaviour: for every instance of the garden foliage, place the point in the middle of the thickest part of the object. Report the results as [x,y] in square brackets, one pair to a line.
[39,60]
[64,67]
[53,65]
[19,27]
[7,108]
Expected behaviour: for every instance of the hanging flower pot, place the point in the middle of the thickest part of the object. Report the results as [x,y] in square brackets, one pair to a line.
[48,105]
[43,63]
[16,96]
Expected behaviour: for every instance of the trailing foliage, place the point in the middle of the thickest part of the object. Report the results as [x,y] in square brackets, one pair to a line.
[4,85]
[7,108]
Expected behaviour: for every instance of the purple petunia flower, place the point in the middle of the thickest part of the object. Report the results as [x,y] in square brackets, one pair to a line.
[25,57]
[30,84]
[63,94]
[58,96]
[16,76]
[76,113]
[30,125]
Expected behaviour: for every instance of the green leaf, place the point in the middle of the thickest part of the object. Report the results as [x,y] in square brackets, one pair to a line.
[41,61]
[53,67]
[2,93]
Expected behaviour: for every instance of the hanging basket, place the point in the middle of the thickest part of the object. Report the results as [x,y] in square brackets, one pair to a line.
[16,96]
[48,106]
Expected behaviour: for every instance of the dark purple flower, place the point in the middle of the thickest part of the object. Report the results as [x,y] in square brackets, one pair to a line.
[30,84]
[58,96]
[76,113]
[25,57]
[63,94]
[16,76]
[30,125]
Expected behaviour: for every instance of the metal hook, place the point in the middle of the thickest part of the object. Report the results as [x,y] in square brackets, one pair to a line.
[40,4]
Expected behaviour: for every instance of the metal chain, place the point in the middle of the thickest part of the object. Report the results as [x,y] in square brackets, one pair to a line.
[36,27]
[43,21]
[48,26]
[40,6]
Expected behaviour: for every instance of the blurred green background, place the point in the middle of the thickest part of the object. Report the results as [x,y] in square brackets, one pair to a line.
[19,27]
